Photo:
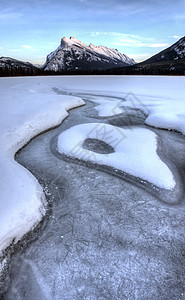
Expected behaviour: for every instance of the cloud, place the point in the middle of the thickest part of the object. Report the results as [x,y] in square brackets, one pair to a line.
[130,40]
[180,17]
[126,9]
[114,34]
[27,47]
[158,45]
[9,16]
[15,50]
[136,44]
[123,8]
[176,37]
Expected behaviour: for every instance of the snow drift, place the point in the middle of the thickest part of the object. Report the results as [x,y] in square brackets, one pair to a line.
[26,110]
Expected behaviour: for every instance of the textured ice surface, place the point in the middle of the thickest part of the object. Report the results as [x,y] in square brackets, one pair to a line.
[106,238]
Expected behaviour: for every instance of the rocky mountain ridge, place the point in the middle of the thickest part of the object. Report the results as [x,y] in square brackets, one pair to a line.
[172,53]
[72,54]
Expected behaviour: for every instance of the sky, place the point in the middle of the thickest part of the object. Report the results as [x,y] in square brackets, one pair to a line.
[31,29]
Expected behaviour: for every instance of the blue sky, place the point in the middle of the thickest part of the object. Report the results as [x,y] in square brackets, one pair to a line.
[31,29]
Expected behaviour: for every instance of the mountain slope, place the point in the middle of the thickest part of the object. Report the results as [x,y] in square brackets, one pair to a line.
[174,52]
[170,61]
[75,55]
[13,67]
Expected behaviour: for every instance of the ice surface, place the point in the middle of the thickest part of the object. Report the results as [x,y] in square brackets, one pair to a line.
[106,238]
[135,151]
[23,115]
[26,109]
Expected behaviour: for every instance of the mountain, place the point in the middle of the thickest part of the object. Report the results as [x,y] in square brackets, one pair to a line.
[173,53]
[13,67]
[170,61]
[74,57]
[72,54]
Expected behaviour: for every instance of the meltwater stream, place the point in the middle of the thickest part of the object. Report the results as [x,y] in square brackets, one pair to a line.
[108,235]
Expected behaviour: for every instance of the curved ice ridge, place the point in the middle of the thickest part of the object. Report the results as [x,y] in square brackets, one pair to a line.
[135,151]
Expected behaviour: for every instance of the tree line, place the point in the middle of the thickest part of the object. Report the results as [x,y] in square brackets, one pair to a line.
[7,71]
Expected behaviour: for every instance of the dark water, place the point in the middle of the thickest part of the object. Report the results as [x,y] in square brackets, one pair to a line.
[108,235]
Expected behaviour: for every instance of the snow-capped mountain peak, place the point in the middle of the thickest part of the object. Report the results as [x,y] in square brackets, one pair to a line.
[66,43]
[113,53]
[73,54]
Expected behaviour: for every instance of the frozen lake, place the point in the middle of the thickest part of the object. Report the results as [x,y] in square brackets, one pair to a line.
[108,233]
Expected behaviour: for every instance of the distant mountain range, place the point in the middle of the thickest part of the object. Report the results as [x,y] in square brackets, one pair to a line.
[72,54]
[13,67]
[74,57]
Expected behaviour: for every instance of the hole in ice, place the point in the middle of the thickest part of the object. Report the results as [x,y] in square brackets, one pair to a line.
[97,146]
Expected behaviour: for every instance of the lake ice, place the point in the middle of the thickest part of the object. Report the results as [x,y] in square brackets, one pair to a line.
[32,105]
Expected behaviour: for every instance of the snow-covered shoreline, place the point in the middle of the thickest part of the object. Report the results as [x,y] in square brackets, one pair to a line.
[27,108]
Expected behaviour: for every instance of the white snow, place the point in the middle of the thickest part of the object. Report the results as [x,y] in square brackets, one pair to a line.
[53,53]
[179,48]
[161,98]
[27,107]
[113,53]
[108,107]
[135,151]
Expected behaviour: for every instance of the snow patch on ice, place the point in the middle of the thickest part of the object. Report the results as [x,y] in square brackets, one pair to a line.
[135,151]
[161,99]
[161,112]
[108,108]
